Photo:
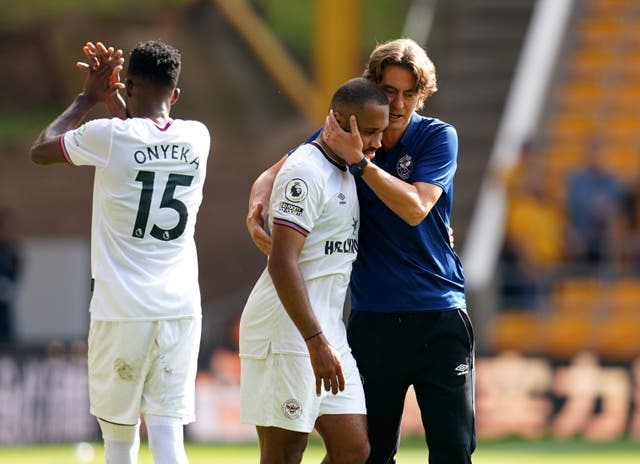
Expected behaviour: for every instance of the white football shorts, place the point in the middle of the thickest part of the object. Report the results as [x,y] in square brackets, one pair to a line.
[280,391]
[143,367]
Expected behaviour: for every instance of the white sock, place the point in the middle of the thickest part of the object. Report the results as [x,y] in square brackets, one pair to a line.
[166,439]
[121,442]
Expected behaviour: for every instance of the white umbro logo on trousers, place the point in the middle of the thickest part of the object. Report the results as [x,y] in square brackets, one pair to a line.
[462,369]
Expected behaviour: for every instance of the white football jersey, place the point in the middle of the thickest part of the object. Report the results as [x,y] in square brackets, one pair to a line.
[318,198]
[146,195]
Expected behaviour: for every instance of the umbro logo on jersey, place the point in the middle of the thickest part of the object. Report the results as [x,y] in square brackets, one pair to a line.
[462,369]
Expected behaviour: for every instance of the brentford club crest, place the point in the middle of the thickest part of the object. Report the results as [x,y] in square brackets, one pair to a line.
[404,167]
[292,409]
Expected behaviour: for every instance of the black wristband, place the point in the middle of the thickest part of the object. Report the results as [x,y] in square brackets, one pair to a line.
[312,336]
[357,169]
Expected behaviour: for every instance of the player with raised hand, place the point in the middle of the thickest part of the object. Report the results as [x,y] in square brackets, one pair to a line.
[98,54]
[145,309]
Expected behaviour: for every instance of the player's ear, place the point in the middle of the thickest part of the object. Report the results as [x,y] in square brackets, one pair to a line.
[175,95]
[129,85]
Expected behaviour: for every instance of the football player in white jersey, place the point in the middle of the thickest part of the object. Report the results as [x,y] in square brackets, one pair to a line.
[145,308]
[292,336]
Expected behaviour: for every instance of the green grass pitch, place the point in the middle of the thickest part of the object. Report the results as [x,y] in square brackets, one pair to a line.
[411,452]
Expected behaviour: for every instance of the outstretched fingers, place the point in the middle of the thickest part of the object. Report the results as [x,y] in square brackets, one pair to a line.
[91,55]
[100,58]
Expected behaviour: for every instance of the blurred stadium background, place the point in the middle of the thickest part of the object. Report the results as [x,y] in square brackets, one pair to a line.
[545,95]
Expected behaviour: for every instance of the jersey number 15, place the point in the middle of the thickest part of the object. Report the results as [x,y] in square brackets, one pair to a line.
[168,201]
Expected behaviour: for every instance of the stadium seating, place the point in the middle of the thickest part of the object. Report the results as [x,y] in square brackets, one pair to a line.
[579,295]
[564,334]
[596,94]
[618,337]
[515,330]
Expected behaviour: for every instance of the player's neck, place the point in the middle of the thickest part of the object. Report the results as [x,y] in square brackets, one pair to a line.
[160,120]
[339,161]
[158,113]
[390,137]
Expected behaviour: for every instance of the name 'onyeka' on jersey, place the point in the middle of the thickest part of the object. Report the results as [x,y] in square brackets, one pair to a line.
[147,193]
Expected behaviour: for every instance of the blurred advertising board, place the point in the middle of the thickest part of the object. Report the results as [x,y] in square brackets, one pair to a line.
[44,399]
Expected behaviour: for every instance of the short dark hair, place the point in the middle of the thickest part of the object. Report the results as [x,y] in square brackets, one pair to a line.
[156,62]
[355,93]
